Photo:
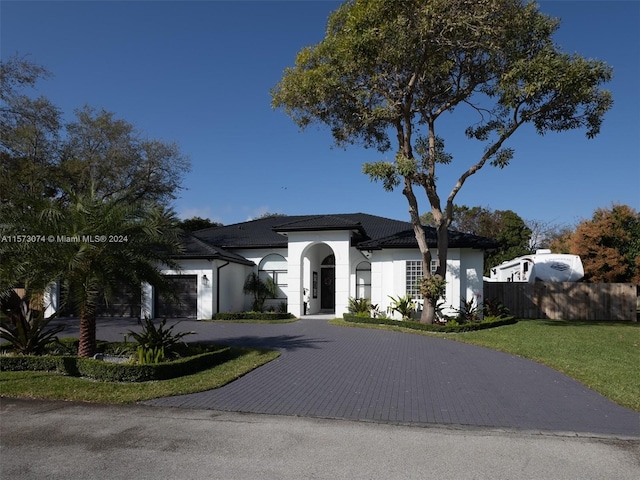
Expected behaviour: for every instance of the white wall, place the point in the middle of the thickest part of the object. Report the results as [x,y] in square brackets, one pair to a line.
[228,295]
[200,268]
[313,247]
[256,255]
[388,276]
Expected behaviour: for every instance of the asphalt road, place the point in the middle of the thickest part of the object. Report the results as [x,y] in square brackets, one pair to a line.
[63,440]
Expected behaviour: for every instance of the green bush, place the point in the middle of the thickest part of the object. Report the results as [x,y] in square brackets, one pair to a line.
[252,316]
[488,322]
[117,372]
[360,306]
[405,306]
[156,344]
[26,330]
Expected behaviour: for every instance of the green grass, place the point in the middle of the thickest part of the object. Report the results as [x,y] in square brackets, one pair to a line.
[58,387]
[605,356]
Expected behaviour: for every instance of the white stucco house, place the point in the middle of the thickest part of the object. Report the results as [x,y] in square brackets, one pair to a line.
[322,260]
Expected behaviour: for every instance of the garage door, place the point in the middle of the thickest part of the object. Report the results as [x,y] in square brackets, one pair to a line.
[123,303]
[186,303]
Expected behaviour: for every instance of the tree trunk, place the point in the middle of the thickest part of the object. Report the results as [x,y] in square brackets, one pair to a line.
[443,247]
[428,314]
[87,343]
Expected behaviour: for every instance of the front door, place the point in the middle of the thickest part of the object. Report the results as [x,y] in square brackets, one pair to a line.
[327,288]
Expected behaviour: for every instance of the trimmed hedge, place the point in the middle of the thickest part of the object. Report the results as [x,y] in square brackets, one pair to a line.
[252,316]
[117,372]
[489,322]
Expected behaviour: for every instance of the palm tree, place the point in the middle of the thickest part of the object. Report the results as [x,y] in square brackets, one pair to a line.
[260,289]
[92,247]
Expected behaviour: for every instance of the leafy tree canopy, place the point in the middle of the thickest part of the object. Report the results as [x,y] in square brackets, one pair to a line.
[41,155]
[504,226]
[608,244]
[387,71]
[196,223]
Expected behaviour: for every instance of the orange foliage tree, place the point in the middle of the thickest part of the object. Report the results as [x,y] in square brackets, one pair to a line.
[609,245]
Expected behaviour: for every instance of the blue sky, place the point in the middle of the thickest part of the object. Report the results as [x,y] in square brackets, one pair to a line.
[199,73]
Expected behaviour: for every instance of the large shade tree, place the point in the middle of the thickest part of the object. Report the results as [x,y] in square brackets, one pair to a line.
[29,134]
[387,71]
[608,245]
[41,155]
[91,246]
[92,180]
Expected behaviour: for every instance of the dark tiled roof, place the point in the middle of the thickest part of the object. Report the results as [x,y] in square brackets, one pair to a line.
[196,248]
[371,232]
[407,239]
[320,222]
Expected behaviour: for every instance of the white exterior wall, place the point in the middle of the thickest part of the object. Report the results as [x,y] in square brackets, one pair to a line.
[388,276]
[228,295]
[303,245]
[200,268]
[471,282]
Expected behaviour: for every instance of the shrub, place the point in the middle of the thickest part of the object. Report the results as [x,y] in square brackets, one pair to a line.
[252,316]
[468,312]
[360,306]
[206,356]
[156,343]
[403,305]
[495,308]
[26,330]
[488,322]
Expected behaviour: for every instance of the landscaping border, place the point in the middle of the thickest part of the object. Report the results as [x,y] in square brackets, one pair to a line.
[252,316]
[488,322]
[117,372]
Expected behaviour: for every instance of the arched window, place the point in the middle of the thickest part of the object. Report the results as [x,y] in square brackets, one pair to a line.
[363,280]
[274,266]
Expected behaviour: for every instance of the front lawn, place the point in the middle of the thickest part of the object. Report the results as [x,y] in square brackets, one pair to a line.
[61,387]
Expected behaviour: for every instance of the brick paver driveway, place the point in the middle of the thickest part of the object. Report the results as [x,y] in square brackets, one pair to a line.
[359,374]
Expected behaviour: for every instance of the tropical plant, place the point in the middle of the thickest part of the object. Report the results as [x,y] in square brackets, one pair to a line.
[283,307]
[93,248]
[469,311]
[360,306]
[433,289]
[260,289]
[156,343]
[404,306]
[27,332]
[492,307]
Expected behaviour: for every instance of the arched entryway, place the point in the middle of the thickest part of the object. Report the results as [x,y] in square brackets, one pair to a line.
[318,279]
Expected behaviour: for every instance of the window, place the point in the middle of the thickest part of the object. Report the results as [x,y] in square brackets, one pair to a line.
[363,280]
[275,266]
[414,276]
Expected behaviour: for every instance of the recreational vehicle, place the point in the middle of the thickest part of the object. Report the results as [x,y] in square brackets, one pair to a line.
[543,265]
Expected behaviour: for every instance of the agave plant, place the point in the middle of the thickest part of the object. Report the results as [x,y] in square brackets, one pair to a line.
[360,306]
[27,330]
[156,343]
[405,306]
